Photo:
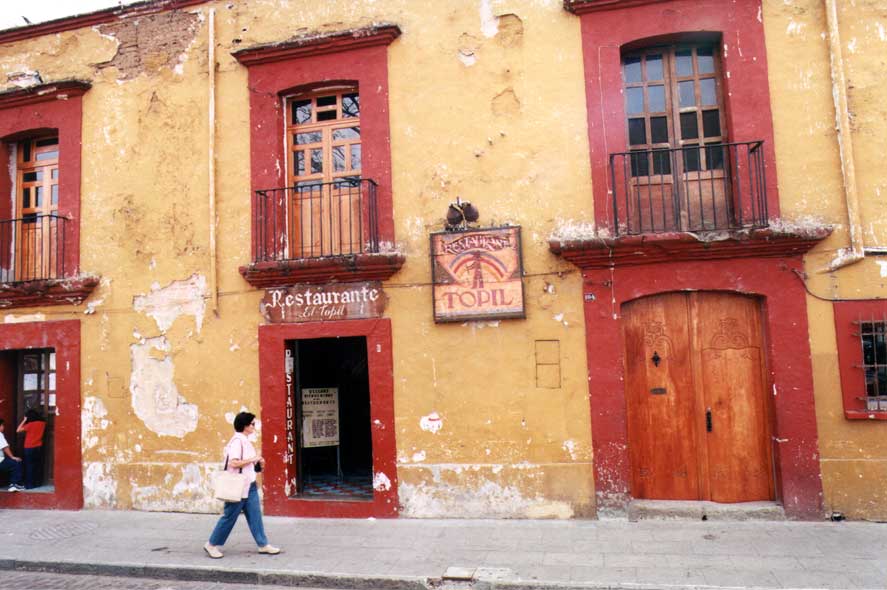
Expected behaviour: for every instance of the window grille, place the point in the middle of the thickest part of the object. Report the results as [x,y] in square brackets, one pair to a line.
[873,339]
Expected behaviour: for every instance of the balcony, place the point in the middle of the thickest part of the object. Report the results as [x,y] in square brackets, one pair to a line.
[690,203]
[318,232]
[37,263]
[715,187]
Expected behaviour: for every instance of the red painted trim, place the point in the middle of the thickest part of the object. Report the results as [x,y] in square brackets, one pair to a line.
[314,45]
[71,291]
[58,107]
[674,247]
[64,337]
[92,19]
[746,91]
[270,82]
[581,7]
[788,360]
[850,354]
[358,267]
[272,339]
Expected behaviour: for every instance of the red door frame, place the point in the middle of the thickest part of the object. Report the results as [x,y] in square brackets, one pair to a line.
[787,349]
[64,337]
[272,344]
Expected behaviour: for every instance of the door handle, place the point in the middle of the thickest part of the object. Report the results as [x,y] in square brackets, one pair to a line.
[708,419]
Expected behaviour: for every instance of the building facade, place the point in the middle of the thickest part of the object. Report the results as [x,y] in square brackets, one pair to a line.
[492,258]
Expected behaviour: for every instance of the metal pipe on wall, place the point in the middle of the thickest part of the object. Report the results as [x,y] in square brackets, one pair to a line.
[213,254]
[856,251]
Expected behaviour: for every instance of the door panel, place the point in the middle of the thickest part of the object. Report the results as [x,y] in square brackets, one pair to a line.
[660,399]
[739,456]
[691,356]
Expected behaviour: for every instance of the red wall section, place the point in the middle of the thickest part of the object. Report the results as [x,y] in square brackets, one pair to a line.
[64,337]
[788,359]
[847,316]
[64,116]
[746,90]
[269,82]
[272,339]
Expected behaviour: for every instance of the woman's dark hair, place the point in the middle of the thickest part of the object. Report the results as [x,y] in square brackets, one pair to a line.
[34,415]
[242,420]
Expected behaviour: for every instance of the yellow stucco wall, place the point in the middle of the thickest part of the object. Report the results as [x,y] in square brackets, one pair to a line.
[811,189]
[159,394]
[487,103]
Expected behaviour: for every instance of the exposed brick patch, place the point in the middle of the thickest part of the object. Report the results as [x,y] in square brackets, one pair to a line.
[149,43]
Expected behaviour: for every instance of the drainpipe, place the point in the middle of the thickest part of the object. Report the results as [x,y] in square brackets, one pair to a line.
[856,250]
[213,254]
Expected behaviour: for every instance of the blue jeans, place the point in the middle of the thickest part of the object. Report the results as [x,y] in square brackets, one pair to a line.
[33,461]
[250,507]
[13,468]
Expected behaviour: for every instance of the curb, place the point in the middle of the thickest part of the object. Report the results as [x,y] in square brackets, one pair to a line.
[211,574]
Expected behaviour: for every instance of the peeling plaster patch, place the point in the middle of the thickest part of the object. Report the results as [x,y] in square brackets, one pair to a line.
[90,306]
[851,45]
[149,42]
[24,78]
[99,488]
[92,418]
[166,304]
[568,230]
[489,23]
[431,423]
[883,265]
[155,398]
[467,59]
[381,483]
[794,28]
[488,500]
[570,447]
[18,319]
[418,457]
[882,35]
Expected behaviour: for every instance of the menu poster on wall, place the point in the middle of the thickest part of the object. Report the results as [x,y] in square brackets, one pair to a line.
[320,417]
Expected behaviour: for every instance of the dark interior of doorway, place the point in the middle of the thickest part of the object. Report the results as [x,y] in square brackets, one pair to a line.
[27,381]
[344,471]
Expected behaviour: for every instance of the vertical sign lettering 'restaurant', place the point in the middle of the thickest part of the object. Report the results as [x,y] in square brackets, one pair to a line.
[290,457]
[477,274]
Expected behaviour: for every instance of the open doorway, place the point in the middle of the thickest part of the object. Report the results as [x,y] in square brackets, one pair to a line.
[333,457]
[28,379]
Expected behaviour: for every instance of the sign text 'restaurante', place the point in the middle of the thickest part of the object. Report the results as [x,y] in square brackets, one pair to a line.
[307,303]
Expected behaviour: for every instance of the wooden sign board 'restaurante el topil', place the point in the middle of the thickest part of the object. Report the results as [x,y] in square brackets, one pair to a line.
[324,303]
[477,274]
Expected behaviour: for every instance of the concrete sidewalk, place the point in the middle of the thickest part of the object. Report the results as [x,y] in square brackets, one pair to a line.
[408,554]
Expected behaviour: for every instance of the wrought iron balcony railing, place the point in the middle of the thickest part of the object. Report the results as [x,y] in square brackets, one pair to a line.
[689,189]
[316,219]
[32,248]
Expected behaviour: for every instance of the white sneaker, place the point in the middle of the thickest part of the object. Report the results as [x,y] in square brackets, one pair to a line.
[269,550]
[12,489]
[213,551]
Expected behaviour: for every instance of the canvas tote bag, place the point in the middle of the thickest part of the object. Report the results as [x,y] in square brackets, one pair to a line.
[227,486]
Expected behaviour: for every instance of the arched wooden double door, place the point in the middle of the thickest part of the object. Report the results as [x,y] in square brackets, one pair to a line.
[698,414]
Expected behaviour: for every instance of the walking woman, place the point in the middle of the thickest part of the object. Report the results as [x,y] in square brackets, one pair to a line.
[241,456]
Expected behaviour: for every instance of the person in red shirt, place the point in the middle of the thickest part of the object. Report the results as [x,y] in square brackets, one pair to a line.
[33,425]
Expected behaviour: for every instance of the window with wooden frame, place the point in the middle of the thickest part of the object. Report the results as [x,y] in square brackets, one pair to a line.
[36,208]
[673,100]
[327,205]
[861,330]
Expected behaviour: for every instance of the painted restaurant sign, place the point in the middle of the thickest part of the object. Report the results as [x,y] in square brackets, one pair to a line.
[323,303]
[477,274]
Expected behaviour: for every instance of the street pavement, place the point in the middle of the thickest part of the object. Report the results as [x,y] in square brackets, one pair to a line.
[422,554]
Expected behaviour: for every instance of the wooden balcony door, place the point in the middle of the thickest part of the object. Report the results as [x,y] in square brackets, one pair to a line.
[37,197]
[698,414]
[326,205]
[676,131]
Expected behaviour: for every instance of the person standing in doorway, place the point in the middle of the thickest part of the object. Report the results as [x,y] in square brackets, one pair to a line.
[33,425]
[9,463]
[241,456]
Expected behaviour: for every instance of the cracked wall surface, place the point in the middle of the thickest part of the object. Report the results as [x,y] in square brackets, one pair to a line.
[486,102]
